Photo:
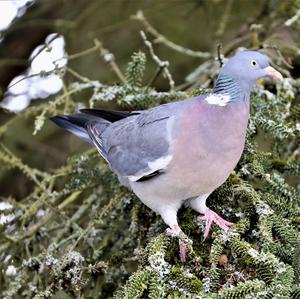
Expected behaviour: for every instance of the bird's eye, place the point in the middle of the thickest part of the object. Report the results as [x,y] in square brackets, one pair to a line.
[253,63]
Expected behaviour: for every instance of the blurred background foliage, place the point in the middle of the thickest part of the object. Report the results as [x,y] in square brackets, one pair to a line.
[70,230]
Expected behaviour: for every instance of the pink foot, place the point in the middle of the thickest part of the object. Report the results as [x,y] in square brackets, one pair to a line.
[177,232]
[210,217]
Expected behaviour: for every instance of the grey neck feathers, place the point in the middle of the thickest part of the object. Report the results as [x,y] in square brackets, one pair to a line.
[229,86]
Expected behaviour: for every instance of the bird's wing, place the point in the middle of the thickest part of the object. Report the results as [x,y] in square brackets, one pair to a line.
[100,120]
[138,147]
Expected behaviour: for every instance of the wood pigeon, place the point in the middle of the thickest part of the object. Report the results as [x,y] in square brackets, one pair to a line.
[178,153]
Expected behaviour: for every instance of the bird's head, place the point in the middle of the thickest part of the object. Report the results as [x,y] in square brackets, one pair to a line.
[249,66]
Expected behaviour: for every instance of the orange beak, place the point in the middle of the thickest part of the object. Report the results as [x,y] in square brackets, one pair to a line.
[273,73]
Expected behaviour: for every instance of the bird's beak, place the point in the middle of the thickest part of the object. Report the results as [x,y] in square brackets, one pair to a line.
[273,73]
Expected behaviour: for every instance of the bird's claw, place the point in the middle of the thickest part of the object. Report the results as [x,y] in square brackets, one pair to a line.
[210,217]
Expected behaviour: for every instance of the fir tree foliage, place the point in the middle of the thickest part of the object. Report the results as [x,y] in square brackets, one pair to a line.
[135,69]
[79,233]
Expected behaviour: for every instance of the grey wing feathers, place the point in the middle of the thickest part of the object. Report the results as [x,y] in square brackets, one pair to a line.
[136,146]
[95,129]
[131,146]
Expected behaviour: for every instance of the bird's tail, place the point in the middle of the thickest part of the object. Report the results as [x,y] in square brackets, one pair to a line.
[77,124]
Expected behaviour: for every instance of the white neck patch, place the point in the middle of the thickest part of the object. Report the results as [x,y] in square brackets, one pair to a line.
[218,99]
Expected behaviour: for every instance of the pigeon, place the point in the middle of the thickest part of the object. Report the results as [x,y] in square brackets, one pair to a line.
[178,153]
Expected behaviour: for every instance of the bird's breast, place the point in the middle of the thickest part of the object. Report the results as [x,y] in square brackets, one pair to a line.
[208,145]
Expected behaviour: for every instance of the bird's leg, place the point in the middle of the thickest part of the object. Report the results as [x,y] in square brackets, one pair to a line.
[176,231]
[170,218]
[199,204]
